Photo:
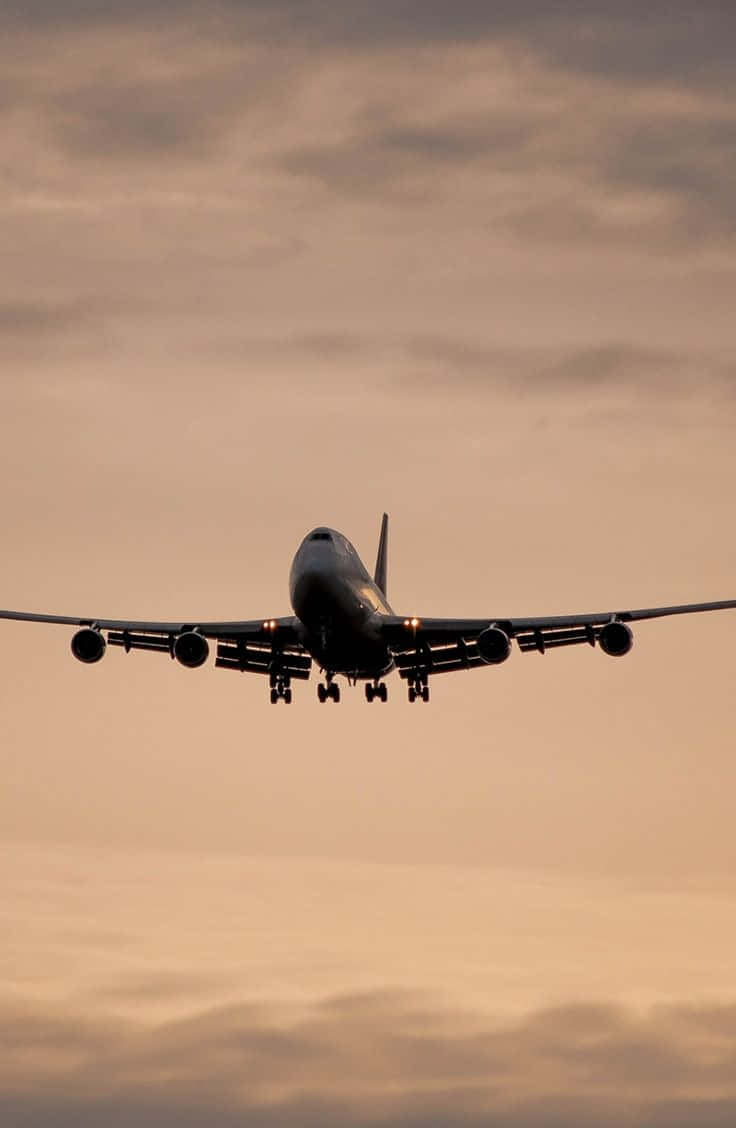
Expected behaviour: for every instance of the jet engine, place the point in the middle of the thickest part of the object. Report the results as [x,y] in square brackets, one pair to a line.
[191,649]
[615,639]
[88,645]
[494,645]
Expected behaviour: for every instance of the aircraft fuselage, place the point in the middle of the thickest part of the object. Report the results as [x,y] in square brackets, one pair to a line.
[339,606]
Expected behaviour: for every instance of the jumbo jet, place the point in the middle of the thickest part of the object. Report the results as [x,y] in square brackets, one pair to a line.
[342,623]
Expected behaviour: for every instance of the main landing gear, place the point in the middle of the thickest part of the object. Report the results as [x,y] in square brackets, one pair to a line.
[328,692]
[377,690]
[418,687]
[280,689]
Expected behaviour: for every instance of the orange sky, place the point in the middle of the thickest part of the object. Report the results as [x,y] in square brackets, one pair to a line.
[272,266]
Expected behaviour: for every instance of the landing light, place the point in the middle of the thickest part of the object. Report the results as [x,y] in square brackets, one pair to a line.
[269,625]
[411,623]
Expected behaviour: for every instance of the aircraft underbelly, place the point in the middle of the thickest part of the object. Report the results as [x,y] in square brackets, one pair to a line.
[353,656]
[339,624]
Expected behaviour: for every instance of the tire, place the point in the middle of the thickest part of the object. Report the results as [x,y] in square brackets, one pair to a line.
[412,694]
[425,694]
[383,693]
[321,693]
[369,692]
[274,696]
[287,697]
[335,693]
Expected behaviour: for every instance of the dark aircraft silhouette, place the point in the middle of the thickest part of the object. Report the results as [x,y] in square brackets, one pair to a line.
[342,621]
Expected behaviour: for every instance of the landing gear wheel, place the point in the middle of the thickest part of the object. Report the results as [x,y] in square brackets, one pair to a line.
[382,692]
[287,697]
[425,693]
[274,696]
[412,694]
[370,691]
[329,692]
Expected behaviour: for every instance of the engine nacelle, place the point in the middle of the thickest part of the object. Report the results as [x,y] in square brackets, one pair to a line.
[494,645]
[191,649]
[88,645]
[615,639]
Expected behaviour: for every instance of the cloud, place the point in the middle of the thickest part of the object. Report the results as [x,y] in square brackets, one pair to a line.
[160,986]
[554,171]
[375,1058]
[133,95]
[660,372]
[538,155]
[42,318]
[634,382]
[613,383]
[143,118]
[31,326]
[406,158]
[509,115]
[674,44]
[611,365]
[77,327]
[672,39]
[689,161]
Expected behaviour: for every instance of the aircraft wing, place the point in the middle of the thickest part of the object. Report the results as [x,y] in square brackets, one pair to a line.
[255,645]
[441,645]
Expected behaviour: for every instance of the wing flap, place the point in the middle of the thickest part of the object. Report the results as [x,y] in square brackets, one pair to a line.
[437,659]
[263,660]
[447,667]
[131,641]
[542,640]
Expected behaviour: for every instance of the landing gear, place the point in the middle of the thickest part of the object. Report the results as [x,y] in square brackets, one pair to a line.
[280,689]
[328,692]
[418,687]
[377,690]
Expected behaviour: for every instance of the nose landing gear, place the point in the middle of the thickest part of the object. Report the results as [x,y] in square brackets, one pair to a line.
[377,690]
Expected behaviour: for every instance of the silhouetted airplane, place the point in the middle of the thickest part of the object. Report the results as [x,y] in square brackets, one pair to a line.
[343,622]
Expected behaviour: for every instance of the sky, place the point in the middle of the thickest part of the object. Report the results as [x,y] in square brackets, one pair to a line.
[274,265]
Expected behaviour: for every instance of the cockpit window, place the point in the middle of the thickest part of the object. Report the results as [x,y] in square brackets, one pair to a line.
[321,536]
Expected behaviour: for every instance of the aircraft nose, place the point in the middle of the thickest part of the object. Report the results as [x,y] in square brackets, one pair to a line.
[309,579]
[308,592]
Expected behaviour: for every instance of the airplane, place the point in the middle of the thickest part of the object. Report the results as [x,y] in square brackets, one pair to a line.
[342,623]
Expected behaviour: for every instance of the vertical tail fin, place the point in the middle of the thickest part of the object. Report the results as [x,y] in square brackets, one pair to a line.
[381,574]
